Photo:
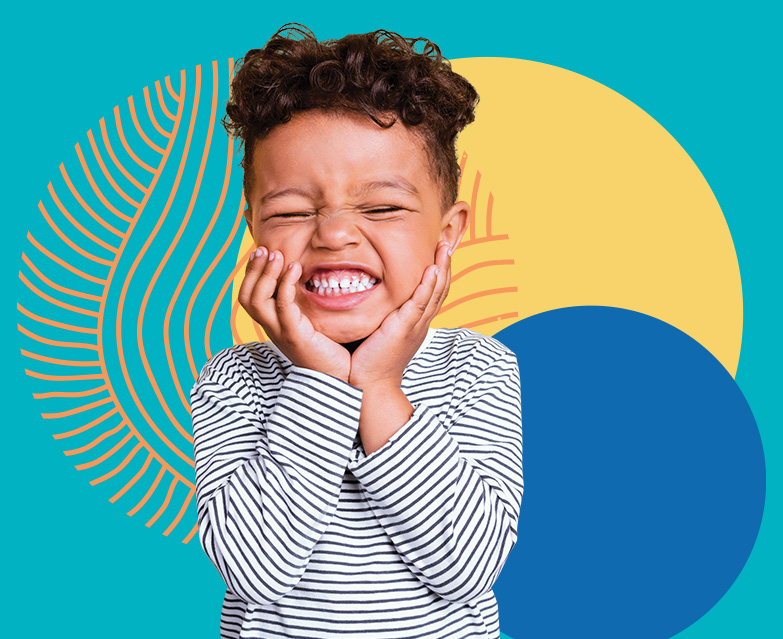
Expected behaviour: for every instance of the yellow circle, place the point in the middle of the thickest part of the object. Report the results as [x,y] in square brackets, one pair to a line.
[601,204]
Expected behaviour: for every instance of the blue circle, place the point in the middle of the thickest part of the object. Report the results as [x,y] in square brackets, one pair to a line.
[644,478]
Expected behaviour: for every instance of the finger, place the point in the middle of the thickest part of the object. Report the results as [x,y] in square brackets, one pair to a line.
[255,266]
[261,304]
[415,308]
[441,288]
[267,281]
[287,310]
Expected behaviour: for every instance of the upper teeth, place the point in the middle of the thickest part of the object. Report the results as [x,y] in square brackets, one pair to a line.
[329,284]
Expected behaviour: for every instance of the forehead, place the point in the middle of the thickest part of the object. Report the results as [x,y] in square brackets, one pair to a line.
[341,153]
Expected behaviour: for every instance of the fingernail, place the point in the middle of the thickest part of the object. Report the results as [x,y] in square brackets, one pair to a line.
[290,265]
[437,271]
[252,255]
[272,256]
[451,251]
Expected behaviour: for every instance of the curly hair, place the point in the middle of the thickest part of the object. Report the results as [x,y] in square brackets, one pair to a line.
[380,74]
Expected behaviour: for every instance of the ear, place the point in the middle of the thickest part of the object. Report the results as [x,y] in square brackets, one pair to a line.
[249,221]
[454,223]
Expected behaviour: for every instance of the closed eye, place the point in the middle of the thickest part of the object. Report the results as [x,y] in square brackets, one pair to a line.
[291,215]
[387,209]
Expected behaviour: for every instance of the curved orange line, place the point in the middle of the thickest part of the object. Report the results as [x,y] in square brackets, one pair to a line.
[162,263]
[62,262]
[490,202]
[73,221]
[194,254]
[143,135]
[92,391]
[125,144]
[54,301]
[473,201]
[77,410]
[181,512]
[68,241]
[94,442]
[258,332]
[121,465]
[229,280]
[224,190]
[462,162]
[149,493]
[117,163]
[128,279]
[171,90]
[481,240]
[234,329]
[97,191]
[473,296]
[43,320]
[489,320]
[54,360]
[112,270]
[153,119]
[203,281]
[479,265]
[190,534]
[81,429]
[215,261]
[165,504]
[136,477]
[61,378]
[162,102]
[106,455]
[44,340]
[107,175]
[57,287]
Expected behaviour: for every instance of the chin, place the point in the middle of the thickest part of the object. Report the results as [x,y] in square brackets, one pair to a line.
[343,334]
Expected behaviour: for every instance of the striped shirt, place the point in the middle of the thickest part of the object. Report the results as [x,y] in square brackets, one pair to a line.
[317,540]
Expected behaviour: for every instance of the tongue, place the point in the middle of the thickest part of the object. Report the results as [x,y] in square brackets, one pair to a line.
[339,274]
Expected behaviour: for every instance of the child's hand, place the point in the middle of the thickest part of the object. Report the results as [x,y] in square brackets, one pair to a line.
[281,318]
[383,356]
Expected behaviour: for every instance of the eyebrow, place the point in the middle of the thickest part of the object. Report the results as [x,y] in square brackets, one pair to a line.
[399,184]
[365,188]
[275,195]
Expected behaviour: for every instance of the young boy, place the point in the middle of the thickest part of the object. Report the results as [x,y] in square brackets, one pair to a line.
[361,474]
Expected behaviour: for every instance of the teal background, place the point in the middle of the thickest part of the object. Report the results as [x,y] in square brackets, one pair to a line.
[76,565]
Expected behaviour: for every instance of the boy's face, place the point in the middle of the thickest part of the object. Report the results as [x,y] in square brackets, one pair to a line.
[356,205]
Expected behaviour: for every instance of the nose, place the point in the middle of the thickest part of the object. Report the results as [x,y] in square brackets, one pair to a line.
[336,231]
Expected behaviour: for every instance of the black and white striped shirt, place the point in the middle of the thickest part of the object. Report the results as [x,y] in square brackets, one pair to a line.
[317,540]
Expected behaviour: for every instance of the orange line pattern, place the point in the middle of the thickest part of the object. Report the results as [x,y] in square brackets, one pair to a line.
[467,284]
[89,405]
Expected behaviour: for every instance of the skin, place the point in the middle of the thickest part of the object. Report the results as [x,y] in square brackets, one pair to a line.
[336,191]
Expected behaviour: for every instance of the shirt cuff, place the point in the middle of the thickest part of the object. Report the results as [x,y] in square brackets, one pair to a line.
[407,459]
[316,415]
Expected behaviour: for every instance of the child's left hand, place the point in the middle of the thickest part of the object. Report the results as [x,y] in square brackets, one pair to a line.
[383,356]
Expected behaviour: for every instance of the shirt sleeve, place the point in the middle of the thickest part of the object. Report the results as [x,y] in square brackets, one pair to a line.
[267,487]
[448,494]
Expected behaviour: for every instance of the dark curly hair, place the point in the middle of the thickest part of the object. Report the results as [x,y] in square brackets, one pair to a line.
[379,74]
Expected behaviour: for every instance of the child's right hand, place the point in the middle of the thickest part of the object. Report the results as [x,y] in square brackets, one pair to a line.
[281,318]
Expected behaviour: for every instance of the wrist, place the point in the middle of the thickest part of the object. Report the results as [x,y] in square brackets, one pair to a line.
[378,385]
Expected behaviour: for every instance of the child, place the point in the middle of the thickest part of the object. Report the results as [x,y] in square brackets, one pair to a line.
[361,474]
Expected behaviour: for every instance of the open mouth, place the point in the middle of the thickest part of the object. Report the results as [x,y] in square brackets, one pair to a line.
[334,283]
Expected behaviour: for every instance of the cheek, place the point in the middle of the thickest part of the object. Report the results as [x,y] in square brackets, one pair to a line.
[290,242]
